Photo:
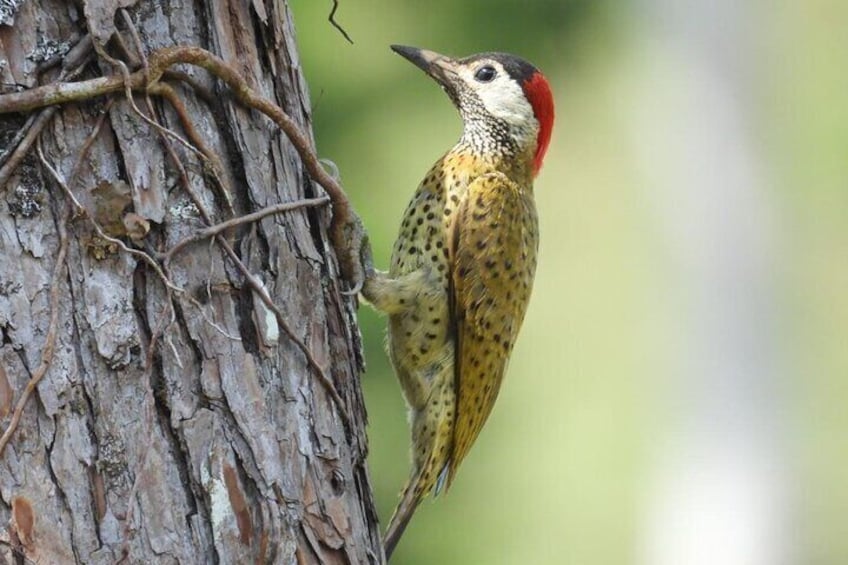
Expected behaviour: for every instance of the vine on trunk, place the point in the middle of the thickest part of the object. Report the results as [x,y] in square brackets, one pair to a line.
[151,78]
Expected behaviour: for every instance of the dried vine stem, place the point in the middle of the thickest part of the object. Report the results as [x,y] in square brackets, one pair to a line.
[101,233]
[346,231]
[197,144]
[50,340]
[50,343]
[73,64]
[246,219]
[250,278]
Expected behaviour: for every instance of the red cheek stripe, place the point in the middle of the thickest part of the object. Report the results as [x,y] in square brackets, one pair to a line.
[538,92]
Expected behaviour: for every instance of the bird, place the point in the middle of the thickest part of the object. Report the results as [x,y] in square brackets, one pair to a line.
[463,264]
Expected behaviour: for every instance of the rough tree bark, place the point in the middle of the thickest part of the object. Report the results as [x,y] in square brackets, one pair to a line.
[173,423]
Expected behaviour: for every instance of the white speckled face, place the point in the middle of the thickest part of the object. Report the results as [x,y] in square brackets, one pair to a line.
[502,97]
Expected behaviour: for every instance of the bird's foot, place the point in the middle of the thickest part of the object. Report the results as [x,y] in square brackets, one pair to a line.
[353,250]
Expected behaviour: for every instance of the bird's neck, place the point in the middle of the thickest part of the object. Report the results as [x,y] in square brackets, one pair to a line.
[501,148]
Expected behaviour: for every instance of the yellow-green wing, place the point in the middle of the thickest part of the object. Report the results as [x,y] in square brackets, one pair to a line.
[494,238]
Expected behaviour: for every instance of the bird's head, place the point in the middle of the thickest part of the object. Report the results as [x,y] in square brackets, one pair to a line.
[501,98]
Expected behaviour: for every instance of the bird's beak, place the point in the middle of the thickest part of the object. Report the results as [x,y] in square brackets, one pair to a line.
[441,68]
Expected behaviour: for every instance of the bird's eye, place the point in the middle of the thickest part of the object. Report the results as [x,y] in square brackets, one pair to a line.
[485,74]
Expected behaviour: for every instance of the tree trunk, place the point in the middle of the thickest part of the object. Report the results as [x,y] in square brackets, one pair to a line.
[175,423]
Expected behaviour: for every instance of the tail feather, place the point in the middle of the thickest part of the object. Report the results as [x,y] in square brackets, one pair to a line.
[443,479]
[410,499]
[431,445]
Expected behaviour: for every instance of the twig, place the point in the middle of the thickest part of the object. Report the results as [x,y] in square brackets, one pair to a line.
[345,230]
[202,92]
[160,326]
[139,46]
[259,289]
[254,283]
[6,152]
[74,63]
[32,130]
[100,232]
[125,73]
[197,145]
[89,141]
[332,20]
[247,218]
[213,163]
[292,131]
[50,340]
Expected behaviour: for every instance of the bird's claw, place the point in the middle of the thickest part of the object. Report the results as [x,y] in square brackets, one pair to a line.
[357,288]
[331,168]
[354,253]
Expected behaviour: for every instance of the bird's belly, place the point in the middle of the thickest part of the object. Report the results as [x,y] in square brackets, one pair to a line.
[421,347]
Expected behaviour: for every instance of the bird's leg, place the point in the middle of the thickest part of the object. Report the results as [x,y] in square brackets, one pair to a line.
[393,295]
[386,294]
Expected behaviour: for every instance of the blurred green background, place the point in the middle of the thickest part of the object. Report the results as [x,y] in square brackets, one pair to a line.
[608,381]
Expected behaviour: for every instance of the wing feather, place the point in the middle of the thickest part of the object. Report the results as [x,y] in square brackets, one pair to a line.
[494,239]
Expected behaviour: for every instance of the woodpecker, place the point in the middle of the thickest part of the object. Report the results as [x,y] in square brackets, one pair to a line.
[463,264]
